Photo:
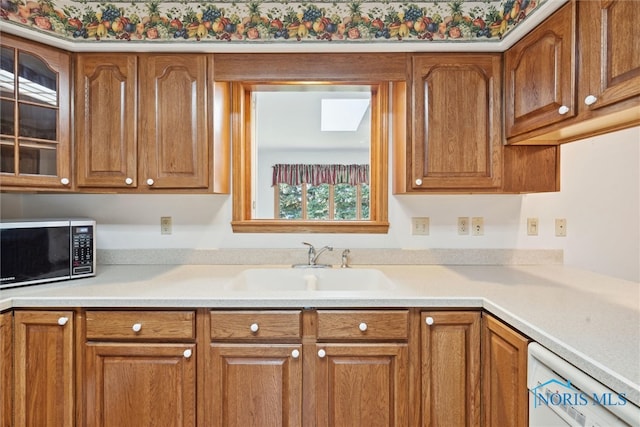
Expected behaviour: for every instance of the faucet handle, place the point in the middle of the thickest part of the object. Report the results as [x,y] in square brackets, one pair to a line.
[345,258]
[308,244]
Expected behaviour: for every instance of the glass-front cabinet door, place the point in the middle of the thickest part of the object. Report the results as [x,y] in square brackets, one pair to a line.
[34,104]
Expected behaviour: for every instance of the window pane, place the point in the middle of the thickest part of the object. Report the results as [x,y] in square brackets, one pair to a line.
[364,201]
[7,119]
[38,159]
[37,122]
[290,198]
[36,82]
[7,156]
[7,78]
[345,201]
[318,201]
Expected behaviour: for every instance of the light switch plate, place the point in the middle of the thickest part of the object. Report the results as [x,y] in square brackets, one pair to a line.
[561,227]
[532,226]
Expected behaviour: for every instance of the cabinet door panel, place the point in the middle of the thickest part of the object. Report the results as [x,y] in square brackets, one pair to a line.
[6,369]
[106,120]
[257,385]
[44,380]
[140,384]
[456,137]
[173,112]
[362,385]
[451,368]
[615,63]
[539,75]
[504,375]
[35,141]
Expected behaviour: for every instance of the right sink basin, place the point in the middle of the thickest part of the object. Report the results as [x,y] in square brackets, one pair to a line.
[310,279]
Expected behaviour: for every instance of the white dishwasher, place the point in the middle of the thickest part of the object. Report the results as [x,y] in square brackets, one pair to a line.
[562,395]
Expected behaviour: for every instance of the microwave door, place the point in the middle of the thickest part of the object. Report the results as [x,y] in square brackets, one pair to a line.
[32,255]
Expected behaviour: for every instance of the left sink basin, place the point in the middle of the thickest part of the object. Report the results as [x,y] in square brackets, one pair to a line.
[310,279]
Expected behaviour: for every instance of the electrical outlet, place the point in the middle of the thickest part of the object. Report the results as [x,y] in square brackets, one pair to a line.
[165,224]
[532,226]
[561,227]
[477,226]
[420,226]
[463,225]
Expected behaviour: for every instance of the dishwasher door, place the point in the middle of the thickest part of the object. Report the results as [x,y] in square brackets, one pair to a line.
[561,395]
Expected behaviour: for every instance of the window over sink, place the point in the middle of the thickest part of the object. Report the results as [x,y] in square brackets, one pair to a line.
[310,156]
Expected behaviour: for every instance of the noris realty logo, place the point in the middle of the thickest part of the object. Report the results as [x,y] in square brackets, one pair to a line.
[557,393]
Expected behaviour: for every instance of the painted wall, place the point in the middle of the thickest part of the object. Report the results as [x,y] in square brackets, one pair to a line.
[600,200]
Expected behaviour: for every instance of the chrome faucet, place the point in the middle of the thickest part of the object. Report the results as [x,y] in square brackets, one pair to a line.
[314,254]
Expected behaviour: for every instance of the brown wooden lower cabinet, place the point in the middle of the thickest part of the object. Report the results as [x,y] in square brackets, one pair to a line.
[450,360]
[362,385]
[44,362]
[6,369]
[255,385]
[262,368]
[139,384]
[504,375]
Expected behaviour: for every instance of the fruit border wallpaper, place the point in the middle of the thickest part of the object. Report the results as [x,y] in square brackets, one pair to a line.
[269,22]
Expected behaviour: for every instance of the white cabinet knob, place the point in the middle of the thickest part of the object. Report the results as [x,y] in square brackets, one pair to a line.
[149,181]
[128,181]
[362,326]
[295,353]
[136,327]
[418,181]
[63,321]
[590,100]
[254,327]
[64,181]
[563,110]
[429,320]
[187,353]
[321,353]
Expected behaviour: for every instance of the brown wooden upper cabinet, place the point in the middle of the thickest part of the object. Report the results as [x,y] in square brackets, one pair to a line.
[574,76]
[146,122]
[454,125]
[35,145]
[609,67]
[539,75]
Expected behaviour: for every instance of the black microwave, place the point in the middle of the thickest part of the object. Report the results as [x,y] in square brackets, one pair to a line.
[40,251]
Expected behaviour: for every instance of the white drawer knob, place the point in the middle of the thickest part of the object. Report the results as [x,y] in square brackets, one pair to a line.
[418,181]
[563,110]
[362,326]
[149,181]
[187,353]
[136,327]
[64,181]
[321,353]
[295,354]
[63,321]
[128,181]
[254,327]
[590,100]
[429,320]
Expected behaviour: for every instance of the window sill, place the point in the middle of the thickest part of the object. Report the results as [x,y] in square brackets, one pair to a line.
[307,226]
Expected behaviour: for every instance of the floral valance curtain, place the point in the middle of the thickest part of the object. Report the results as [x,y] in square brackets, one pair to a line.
[296,174]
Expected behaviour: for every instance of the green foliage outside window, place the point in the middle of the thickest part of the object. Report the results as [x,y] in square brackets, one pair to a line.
[318,201]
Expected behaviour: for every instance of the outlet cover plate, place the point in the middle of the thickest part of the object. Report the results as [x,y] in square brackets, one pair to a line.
[420,226]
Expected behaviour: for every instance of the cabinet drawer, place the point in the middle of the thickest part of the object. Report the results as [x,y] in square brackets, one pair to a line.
[271,324]
[132,325]
[363,324]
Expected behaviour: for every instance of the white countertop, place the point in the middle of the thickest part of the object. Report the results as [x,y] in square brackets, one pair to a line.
[591,320]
